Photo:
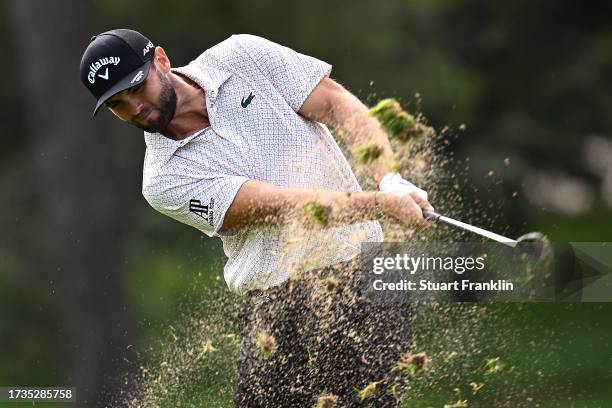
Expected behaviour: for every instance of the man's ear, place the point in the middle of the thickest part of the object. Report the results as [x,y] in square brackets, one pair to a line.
[162,62]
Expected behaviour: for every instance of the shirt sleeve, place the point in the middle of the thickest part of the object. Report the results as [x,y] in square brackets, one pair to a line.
[294,75]
[200,203]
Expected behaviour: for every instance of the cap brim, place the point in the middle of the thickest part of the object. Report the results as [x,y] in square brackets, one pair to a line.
[134,78]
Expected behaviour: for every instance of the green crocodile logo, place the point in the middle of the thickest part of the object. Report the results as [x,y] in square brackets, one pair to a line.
[246,101]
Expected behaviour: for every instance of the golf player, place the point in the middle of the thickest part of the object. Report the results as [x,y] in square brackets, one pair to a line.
[238,146]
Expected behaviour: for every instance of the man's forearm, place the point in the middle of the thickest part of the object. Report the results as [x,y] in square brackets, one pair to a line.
[263,203]
[332,104]
[349,116]
[328,208]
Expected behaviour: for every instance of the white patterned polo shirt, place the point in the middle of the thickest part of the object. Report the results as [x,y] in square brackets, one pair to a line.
[253,90]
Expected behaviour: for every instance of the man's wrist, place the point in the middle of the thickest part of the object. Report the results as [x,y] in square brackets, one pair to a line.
[378,212]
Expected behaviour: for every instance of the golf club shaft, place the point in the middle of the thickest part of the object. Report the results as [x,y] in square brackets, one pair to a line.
[435,217]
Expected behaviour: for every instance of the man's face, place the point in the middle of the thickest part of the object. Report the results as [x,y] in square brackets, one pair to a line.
[149,106]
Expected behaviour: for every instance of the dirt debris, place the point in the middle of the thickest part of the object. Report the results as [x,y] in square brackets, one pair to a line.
[447,335]
[326,401]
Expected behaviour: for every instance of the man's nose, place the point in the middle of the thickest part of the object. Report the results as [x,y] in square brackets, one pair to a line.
[135,104]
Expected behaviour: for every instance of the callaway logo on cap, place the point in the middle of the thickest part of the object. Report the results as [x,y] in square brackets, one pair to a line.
[115,61]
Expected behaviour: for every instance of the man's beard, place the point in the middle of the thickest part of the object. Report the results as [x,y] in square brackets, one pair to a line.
[166,108]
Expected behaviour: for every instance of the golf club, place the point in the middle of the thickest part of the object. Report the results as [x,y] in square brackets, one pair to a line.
[565,270]
[529,237]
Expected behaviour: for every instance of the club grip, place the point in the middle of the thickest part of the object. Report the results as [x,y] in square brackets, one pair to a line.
[430,215]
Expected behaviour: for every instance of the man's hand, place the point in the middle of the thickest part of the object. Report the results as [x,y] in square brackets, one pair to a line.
[406,208]
[393,182]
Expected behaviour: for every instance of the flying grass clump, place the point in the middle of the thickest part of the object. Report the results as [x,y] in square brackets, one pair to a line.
[326,401]
[476,387]
[317,213]
[331,284]
[266,344]
[450,356]
[412,364]
[367,153]
[459,403]
[394,393]
[208,347]
[368,391]
[395,165]
[493,366]
[399,124]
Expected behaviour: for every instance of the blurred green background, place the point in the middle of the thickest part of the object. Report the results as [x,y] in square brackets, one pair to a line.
[90,276]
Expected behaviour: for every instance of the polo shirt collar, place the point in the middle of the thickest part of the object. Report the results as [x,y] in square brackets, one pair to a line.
[208,78]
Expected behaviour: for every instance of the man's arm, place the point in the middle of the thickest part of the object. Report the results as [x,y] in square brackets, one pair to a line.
[258,202]
[330,103]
